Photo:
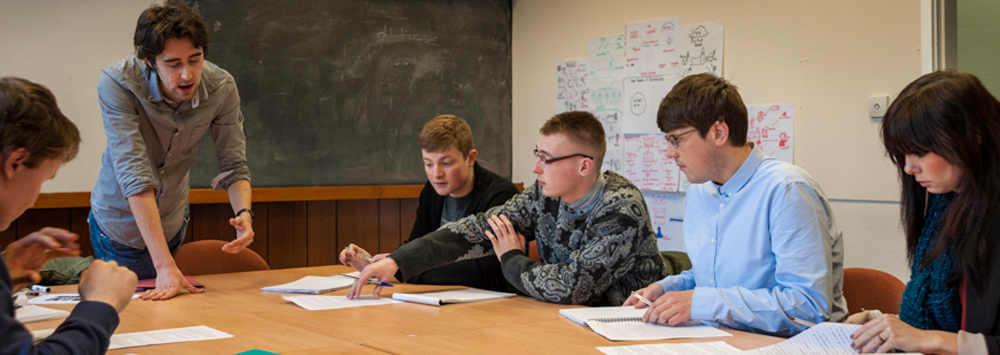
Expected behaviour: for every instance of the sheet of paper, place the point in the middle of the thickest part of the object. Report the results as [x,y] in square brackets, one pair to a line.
[572,90]
[32,313]
[651,48]
[319,303]
[710,348]
[313,285]
[165,336]
[647,164]
[582,314]
[770,127]
[453,296]
[607,68]
[624,329]
[56,298]
[642,100]
[666,211]
[823,339]
[701,48]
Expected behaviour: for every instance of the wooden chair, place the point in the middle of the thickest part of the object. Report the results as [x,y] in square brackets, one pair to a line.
[206,257]
[872,289]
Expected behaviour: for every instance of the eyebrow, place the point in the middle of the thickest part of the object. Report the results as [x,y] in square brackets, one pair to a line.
[171,60]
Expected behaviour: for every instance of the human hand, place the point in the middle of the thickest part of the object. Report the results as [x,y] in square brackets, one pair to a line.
[383,270]
[170,282]
[651,292]
[504,237]
[244,234]
[356,257]
[672,308]
[863,317]
[109,283]
[27,255]
[887,333]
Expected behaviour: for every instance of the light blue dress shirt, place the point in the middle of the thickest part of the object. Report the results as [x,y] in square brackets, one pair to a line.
[765,248]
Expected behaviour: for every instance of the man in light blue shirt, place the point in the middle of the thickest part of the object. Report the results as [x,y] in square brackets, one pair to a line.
[763,242]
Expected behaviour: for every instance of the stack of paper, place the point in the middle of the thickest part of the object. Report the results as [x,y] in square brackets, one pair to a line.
[321,303]
[455,296]
[31,313]
[166,336]
[625,324]
[313,285]
[710,348]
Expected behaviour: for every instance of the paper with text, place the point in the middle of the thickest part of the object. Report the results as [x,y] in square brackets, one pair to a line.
[710,348]
[642,100]
[771,128]
[572,90]
[633,329]
[666,212]
[607,68]
[647,164]
[312,285]
[651,48]
[166,336]
[454,296]
[320,303]
[822,339]
[701,48]
[582,314]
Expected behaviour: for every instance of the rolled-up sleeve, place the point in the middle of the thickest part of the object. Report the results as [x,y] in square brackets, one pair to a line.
[230,141]
[120,114]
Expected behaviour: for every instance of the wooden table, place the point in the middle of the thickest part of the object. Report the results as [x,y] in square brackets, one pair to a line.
[233,303]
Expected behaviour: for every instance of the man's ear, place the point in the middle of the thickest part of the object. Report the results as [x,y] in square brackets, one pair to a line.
[586,166]
[472,157]
[14,161]
[720,131]
[150,64]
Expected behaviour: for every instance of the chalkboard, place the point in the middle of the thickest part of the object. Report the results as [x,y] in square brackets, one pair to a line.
[336,92]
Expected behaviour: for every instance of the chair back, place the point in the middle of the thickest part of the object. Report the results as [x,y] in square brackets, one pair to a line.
[872,289]
[206,257]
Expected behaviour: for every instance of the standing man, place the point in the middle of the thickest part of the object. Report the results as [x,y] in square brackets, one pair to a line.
[592,230]
[763,243]
[35,139]
[156,106]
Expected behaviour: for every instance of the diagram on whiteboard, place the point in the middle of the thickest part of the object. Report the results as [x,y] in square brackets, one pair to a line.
[606,63]
[701,48]
[666,212]
[643,96]
[651,48]
[771,129]
[571,86]
[647,164]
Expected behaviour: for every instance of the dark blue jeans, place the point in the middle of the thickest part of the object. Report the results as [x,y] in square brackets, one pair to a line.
[137,260]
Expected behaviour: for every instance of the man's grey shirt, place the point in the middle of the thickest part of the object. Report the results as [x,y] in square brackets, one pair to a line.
[152,144]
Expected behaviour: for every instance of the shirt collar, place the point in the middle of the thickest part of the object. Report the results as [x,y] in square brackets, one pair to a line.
[585,203]
[742,176]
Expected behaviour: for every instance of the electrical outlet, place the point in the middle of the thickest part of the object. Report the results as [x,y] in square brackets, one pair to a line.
[877,105]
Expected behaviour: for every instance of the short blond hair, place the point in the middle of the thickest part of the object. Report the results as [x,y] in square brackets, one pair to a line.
[582,128]
[446,131]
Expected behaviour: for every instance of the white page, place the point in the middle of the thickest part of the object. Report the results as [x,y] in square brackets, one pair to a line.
[454,296]
[636,330]
[771,127]
[581,315]
[30,313]
[666,211]
[642,97]
[572,91]
[606,64]
[710,348]
[165,336]
[313,285]
[59,298]
[651,48]
[319,303]
[647,164]
[823,339]
[701,48]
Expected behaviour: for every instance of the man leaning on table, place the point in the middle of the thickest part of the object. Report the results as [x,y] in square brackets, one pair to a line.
[35,139]
[592,230]
[763,242]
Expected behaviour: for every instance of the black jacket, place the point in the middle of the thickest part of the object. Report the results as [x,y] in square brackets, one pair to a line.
[982,314]
[488,190]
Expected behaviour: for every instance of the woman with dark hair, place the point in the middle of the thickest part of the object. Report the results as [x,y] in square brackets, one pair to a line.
[943,134]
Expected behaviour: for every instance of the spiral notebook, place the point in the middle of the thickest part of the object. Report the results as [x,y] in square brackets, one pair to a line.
[625,324]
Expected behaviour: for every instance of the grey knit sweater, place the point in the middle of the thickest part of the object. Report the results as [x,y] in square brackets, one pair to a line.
[596,258]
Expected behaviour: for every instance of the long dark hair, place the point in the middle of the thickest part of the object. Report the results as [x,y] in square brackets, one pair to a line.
[952,115]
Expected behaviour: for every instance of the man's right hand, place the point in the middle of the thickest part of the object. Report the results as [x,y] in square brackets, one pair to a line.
[383,270]
[651,292]
[354,256]
[170,282]
[105,281]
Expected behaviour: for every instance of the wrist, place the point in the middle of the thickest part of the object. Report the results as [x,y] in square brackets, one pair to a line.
[247,211]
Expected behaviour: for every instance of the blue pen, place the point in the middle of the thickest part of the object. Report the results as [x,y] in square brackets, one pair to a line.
[376,282]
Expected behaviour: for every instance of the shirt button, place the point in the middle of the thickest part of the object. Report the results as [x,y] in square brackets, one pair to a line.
[161,171]
[177,134]
[711,282]
[713,241]
[722,205]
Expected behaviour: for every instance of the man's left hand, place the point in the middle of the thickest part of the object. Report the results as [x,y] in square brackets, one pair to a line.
[504,237]
[244,234]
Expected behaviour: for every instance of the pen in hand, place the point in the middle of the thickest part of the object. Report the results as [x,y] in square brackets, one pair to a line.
[373,281]
[643,299]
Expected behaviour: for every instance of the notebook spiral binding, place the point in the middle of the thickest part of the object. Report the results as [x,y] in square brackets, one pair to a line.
[616,319]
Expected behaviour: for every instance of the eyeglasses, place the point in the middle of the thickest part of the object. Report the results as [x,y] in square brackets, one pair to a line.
[548,161]
[673,138]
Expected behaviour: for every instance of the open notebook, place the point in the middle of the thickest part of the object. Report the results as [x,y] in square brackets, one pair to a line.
[312,285]
[625,324]
[454,296]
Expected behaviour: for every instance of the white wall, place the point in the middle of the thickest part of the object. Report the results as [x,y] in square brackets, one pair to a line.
[826,57]
[63,45]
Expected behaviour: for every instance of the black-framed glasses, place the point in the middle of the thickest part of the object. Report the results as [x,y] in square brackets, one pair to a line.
[548,161]
[673,138]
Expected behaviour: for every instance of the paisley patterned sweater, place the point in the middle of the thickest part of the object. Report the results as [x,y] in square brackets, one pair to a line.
[596,258]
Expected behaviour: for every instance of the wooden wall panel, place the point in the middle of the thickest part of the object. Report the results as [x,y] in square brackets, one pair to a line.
[260,229]
[407,215]
[9,235]
[388,225]
[33,220]
[78,224]
[322,232]
[357,222]
[287,235]
[211,221]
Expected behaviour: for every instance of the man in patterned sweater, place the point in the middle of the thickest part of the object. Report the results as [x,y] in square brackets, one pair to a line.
[592,229]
